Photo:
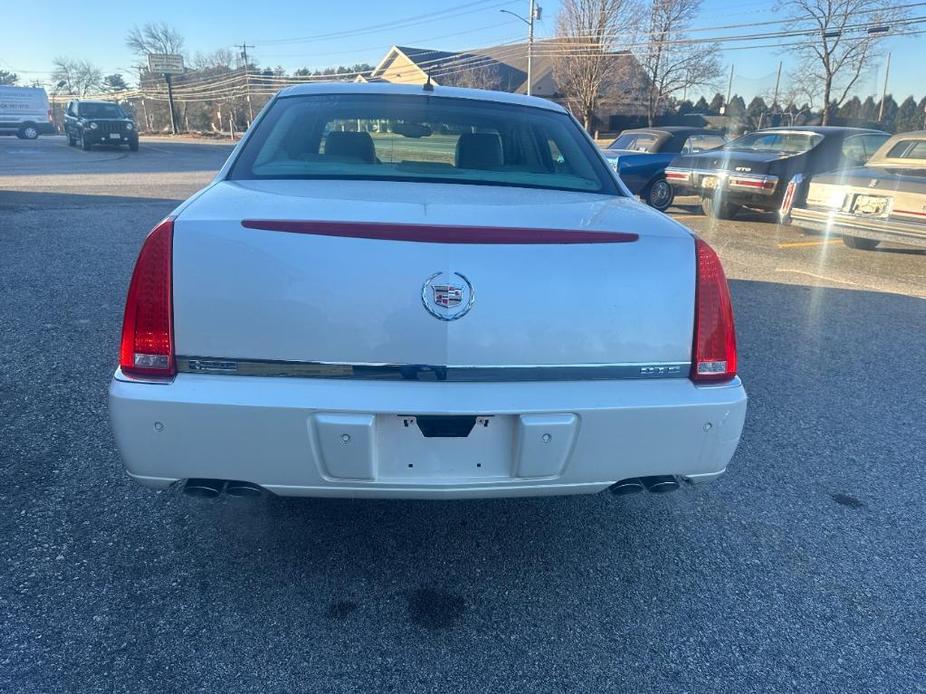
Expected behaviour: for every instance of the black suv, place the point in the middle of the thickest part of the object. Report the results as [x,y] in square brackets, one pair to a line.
[99,123]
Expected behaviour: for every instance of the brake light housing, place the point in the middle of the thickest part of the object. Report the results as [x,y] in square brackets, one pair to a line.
[147,347]
[714,350]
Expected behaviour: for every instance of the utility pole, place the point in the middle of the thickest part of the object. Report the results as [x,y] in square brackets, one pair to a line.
[170,103]
[247,80]
[777,84]
[530,48]
[729,89]
[535,13]
[887,72]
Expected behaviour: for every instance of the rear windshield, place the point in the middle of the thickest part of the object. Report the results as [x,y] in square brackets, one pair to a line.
[101,111]
[789,143]
[411,138]
[637,142]
[908,149]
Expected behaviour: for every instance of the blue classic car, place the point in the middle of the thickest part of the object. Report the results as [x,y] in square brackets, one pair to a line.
[641,156]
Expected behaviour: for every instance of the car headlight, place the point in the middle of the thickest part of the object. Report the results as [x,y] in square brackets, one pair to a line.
[615,164]
[128,126]
[94,126]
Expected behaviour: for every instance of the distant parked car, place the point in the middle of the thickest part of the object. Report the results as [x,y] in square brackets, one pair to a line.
[91,123]
[885,200]
[754,170]
[24,112]
[641,156]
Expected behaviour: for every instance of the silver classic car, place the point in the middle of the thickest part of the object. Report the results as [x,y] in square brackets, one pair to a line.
[885,200]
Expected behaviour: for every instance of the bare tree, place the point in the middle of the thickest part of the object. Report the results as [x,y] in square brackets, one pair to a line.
[835,58]
[586,63]
[671,64]
[154,37]
[76,77]
[219,60]
[478,76]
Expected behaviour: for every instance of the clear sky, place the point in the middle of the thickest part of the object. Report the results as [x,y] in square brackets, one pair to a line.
[366,29]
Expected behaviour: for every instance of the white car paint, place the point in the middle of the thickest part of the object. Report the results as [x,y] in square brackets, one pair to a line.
[578,353]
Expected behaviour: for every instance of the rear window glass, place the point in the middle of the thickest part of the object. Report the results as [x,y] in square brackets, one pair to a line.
[908,149]
[790,143]
[637,142]
[411,138]
[700,143]
[101,111]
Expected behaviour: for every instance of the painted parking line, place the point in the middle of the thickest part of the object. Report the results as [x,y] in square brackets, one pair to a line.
[808,244]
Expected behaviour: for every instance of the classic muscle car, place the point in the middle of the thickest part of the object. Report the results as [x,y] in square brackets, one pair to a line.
[754,170]
[885,200]
[640,158]
[390,291]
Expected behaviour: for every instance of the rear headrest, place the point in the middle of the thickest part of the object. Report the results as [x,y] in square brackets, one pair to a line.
[479,151]
[349,144]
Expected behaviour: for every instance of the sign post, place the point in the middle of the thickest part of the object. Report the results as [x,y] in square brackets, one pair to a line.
[168,64]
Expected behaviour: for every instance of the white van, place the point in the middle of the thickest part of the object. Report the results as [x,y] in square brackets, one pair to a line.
[24,111]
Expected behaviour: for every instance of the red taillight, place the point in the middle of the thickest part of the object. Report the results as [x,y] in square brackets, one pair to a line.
[147,330]
[714,356]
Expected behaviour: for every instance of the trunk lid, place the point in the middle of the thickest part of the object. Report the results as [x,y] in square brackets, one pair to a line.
[244,293]
[729,160]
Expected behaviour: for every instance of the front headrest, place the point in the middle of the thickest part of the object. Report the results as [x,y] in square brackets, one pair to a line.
[350,144]
[479,151]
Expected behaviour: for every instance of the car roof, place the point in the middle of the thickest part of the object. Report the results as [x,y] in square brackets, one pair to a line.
[672,129]
[821,129]
[94,101]
[418,90]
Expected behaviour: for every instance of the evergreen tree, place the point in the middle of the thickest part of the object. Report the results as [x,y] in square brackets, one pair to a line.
[702,106]
[888,114]
[869,110]
[851,109]
[716,103]
[908,116]
[757,111]
[684,107]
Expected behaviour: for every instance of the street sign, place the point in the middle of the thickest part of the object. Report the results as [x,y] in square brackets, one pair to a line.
[165,63]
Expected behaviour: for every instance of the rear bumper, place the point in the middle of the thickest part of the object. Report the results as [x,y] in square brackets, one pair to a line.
[318,437]
[878,229]
[751,190]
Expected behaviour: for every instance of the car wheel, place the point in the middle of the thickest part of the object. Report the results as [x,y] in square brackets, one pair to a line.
[859,243]
[84,145]
[721,210]
[72,141]
[30,132]
[133,145]
[659,194]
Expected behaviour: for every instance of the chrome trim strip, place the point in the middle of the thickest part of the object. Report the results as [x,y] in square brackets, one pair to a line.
[429,372]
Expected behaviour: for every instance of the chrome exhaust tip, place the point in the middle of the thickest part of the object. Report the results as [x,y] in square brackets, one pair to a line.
[243,489]
[660,484]
[632,485]
[203,488]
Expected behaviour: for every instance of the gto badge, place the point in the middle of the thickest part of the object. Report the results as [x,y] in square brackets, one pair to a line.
[447,295]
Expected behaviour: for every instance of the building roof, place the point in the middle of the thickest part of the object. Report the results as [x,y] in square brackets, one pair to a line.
[507,62]
[416,89]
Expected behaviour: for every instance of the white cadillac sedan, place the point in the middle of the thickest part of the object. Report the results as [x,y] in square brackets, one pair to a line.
[391,291]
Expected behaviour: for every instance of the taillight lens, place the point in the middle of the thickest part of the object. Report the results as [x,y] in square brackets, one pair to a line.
[147,330]
[714,334]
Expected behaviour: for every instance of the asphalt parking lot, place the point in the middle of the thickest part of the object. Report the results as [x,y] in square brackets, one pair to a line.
[802,570]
